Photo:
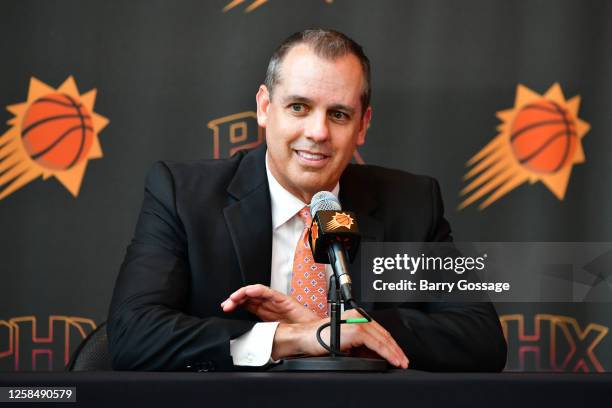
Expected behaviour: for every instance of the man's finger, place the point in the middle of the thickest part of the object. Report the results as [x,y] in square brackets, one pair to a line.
[377,339]
[229,305]
[238,294]
[237,298]
[381,332]
[263,292]
[377,344]
[385,337]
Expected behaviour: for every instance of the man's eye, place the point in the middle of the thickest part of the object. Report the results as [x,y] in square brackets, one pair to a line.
[339,115]
[297,107]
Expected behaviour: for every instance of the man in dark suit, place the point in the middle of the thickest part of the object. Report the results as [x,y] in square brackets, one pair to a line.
[205,282]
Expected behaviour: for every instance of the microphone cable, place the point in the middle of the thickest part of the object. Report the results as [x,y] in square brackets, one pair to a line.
[365,319]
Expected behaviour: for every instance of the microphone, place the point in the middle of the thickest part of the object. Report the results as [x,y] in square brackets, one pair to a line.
[334,237]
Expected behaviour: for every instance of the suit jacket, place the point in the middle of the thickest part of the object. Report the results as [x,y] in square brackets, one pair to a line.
[205,229]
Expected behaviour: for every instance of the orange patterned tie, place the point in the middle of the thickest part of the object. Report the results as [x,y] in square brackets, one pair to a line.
[308,280]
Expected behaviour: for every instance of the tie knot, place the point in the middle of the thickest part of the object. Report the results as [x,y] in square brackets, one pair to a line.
[305,215]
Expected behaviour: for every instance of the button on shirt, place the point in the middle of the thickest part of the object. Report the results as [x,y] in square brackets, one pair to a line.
[254,347]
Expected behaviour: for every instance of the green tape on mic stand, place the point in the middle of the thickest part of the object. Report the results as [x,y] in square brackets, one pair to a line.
[357,320]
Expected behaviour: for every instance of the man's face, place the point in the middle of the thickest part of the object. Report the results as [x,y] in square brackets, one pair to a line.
[313,120]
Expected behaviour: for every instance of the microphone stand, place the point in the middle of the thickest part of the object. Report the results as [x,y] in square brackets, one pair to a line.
[335,310]
[337,360]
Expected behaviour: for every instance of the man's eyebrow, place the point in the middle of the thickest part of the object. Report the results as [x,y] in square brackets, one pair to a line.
[296,98]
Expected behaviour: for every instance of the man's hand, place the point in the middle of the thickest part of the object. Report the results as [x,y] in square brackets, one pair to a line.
[296,333]
[300,339]
[269,305]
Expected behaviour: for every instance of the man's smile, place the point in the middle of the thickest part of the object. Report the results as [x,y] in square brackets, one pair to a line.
[312,158]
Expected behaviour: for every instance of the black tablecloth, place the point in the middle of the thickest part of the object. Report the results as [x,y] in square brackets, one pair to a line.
[397,388]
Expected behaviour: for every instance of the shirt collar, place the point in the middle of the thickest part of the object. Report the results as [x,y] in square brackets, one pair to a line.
[284,204]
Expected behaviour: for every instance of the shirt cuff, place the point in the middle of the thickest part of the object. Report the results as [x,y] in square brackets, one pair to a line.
[254,348]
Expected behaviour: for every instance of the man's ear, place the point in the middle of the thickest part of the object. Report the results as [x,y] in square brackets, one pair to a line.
[364,125]
[263,104]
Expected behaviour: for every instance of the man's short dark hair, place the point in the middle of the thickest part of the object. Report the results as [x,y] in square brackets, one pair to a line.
[328,44]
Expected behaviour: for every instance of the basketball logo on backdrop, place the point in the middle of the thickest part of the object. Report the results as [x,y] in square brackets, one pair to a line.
[253,4]
[240,131]
[539,140]
[54,133]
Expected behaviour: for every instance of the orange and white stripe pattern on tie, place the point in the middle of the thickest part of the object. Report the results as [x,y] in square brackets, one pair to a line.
[308,280]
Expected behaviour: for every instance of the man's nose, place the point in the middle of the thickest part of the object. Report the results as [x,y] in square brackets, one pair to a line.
[317,128]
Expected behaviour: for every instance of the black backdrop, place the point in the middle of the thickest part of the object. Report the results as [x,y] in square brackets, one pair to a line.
[164,70]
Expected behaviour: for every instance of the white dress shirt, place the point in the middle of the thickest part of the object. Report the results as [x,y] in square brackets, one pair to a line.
[254,347]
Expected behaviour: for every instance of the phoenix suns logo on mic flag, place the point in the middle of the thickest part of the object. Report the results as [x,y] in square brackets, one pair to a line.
[53,133]
[539,140]
[340,220]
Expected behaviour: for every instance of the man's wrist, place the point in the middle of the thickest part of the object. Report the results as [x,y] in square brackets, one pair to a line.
[295,339]
[284,343]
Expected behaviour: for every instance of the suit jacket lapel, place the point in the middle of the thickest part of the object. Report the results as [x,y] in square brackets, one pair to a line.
[249,218]
[357,196]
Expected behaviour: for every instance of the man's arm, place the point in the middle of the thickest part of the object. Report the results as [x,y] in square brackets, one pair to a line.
[295,334]
[446,336]
[433,336]
[147,326]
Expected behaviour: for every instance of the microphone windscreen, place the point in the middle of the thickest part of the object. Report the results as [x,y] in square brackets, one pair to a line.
[324,200]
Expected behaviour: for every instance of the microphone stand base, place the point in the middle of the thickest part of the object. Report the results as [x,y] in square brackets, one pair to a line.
[329,363]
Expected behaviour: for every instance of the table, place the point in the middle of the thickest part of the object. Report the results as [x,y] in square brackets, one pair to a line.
[396,388]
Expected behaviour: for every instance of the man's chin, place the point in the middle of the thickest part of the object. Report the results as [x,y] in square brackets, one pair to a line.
[315,186]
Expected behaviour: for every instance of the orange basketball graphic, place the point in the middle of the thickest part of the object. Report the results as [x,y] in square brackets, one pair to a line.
[543,136]
[57,131]
[54,133]
[539,139]
[340,220]
[344,220]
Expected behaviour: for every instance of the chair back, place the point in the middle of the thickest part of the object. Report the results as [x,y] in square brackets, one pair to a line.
[92,354]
